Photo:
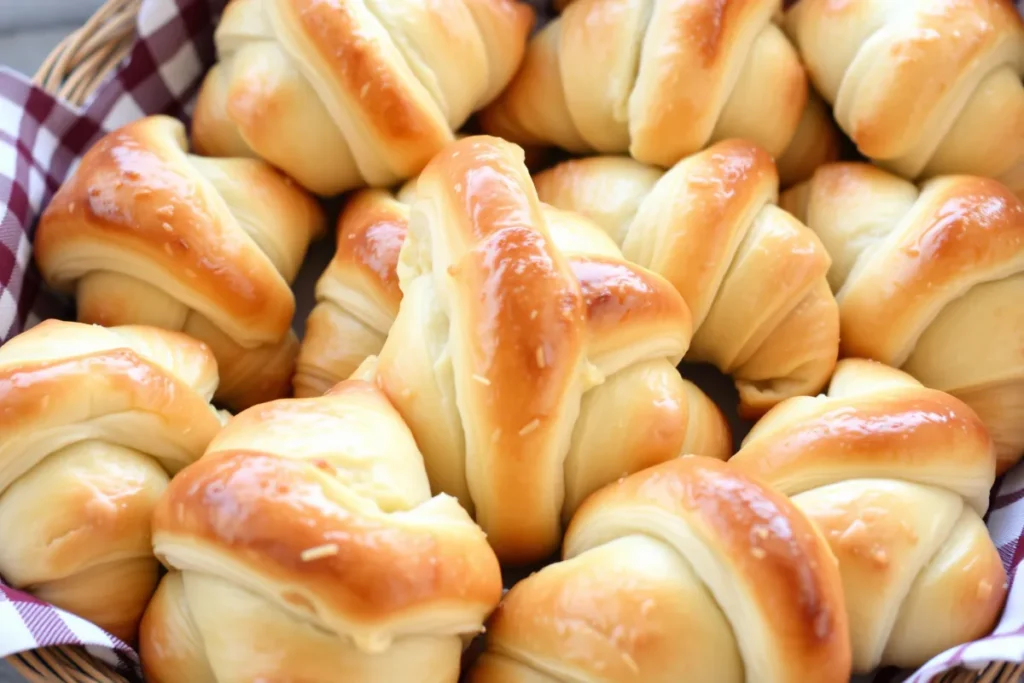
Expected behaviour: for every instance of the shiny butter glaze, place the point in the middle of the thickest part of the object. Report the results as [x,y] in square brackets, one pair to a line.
[964,231]
[34,396]
[595,616]
[925,87]
[889,471]
[623,300]
[135,194]
[295,513]
[917,435]
[532,311]
[515,289]
[371,230]
[750,273]
[266,511]
[364,72]
[767,541]
[94,423]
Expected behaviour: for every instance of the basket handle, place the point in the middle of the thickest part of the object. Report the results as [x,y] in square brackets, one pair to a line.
[81,61]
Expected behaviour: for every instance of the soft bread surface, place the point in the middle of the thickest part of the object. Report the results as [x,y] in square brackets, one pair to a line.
[929,279]
[344,94]
[896,476]
[688,570]
[94,422]
[145,233]
[305,545]
[662,79]
[531,361]
[923,87]
[752,275]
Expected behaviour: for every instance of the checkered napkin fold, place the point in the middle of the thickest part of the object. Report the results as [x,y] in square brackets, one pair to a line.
[41,140]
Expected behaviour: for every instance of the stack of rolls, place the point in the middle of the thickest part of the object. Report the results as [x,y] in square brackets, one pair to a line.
[488,383]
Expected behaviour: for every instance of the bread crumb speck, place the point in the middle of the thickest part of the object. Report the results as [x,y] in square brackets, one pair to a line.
[529,427]
[320,552]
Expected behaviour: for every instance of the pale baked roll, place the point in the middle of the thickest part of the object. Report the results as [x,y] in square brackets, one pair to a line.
[929,279]
[95,421]
[531,361]
[662,79]
[341,95]
[686,571]
[897,477]
[923,87]
[145,233]
[305,545]
[752,274]
[358,294]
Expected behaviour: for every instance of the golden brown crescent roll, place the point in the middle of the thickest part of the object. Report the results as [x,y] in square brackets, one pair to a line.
[923,87]
[896,476]
[930,280]
[305,546]
[753,276]
[94,421]
[531,369]
[358,293]
[342,94]
[661,79]
[686,571]
[145,233]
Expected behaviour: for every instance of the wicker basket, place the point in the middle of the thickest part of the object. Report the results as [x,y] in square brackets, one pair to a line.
[73,71]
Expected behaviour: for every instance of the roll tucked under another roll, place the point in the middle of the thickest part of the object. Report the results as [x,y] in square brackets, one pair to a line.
[751,273]
[145,233]
[897,478]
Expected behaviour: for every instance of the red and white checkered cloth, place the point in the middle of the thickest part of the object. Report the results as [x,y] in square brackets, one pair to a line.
[41,140]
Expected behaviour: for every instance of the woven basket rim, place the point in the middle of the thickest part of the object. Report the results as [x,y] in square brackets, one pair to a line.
[86,57]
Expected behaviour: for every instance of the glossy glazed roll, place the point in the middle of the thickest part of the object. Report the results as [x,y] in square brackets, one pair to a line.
[897,478]
[94,422]
[929,279]
[686,571]
[752,275]
[145,233]
[532,369]
[343,94]
[923,87]
[662,79]
[305,545]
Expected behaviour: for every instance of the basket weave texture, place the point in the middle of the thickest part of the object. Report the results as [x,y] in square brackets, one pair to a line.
[73,71]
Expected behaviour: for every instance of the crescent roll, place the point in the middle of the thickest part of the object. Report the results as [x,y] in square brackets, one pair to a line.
[923,87]
[341,94]
[662,79]
[686,571]
[531,369]
[929,279]
[752,275]
[145,233]
[95,421]
[305,546]
[897,478]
